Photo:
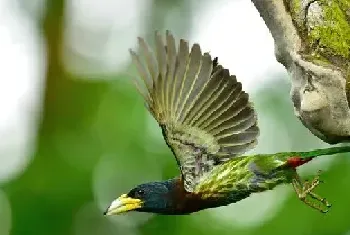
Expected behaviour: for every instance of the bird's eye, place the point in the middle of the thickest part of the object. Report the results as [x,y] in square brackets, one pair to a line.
[140,192]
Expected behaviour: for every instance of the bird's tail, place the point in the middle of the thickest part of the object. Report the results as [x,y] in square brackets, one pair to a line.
[295,159]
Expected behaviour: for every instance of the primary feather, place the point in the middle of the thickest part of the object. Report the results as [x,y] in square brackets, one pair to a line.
[205,116]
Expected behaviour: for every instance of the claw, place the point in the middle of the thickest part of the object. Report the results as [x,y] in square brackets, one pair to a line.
[329,205]
[324,211]
[306,188]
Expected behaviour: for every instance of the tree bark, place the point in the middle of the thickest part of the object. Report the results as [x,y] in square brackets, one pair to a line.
[312,41]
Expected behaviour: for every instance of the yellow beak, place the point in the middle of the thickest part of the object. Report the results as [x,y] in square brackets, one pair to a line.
[123,204]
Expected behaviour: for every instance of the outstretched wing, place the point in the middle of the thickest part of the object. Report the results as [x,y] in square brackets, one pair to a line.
[205,117]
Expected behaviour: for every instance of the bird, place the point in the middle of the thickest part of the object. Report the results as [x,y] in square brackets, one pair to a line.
[208,123]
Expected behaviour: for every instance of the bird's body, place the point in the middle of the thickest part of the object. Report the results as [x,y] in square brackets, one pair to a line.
[208,123]
[228,183]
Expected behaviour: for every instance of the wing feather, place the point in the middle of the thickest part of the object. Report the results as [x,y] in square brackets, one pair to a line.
[162,67]
[203,106]
[235,128]
[228,96]
[183,59]
[228,113]
[205,116]
[149,58]
[199,86]
[190,78]
[171,63]
[142,71]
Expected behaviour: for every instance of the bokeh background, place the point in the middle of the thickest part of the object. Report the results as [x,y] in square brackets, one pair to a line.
[75,133]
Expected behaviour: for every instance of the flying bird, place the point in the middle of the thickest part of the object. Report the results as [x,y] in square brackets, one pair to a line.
[208,123]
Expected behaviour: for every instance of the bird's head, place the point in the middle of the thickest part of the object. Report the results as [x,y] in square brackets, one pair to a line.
[149,197]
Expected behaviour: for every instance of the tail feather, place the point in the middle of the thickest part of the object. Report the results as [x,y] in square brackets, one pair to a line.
[296,159]
[315,153]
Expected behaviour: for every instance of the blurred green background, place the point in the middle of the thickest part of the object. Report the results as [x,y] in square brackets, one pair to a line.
[75,133]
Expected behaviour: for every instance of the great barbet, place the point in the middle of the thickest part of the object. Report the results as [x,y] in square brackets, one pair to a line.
[208,123]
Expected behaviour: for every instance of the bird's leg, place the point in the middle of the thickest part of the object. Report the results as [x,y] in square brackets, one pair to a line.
[305,193]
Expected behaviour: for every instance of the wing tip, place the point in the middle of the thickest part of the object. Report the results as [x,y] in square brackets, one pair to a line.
[131,51]
[141,41]
[168,33]
[157,35]
[196,47]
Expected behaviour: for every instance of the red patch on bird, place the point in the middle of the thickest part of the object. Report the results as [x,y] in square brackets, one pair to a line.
[297,161]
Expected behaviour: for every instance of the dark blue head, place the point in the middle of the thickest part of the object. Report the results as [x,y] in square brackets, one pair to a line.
[153,197]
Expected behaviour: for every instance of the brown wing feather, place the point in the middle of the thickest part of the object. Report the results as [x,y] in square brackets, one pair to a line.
[205,116]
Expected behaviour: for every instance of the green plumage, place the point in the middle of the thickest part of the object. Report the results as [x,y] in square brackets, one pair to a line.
[257,172]
[208,123]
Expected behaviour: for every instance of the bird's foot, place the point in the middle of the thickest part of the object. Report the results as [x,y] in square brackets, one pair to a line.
[305,193]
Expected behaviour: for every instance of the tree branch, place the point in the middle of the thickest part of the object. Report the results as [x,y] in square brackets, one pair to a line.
[312,41]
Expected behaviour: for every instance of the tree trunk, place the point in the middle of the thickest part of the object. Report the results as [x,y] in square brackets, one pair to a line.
[312,41]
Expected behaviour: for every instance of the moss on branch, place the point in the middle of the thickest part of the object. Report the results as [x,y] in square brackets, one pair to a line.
[324,28]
